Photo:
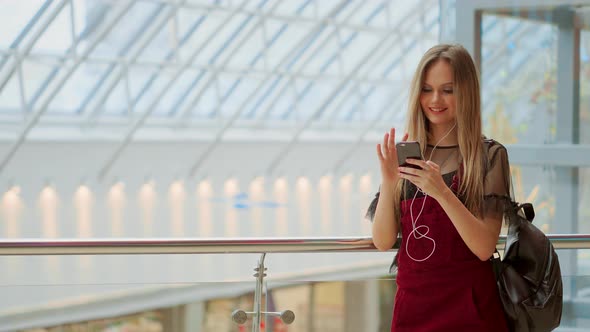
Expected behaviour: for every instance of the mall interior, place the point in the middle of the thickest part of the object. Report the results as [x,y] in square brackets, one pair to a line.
[155,155]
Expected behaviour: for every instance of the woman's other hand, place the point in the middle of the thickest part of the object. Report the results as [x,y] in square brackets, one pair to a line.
[428,178]
[387,154]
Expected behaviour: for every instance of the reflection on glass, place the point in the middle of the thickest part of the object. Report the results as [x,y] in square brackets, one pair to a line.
[366,195]
[12,208]
[303,204]
[48,201]
[231,189]
[344,193]
[83,200]
[177,199]
[257,194]
[116,204]
[325,193]
[147,205]
[281,193]
[204,194]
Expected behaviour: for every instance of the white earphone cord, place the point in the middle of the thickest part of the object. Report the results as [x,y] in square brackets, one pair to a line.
[415,230]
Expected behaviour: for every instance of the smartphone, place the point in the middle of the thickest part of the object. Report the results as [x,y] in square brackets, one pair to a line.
[408,150]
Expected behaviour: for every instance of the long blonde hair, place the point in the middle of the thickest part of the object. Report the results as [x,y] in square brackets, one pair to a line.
[469,127]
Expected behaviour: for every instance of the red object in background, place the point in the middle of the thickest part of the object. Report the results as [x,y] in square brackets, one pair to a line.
[279,326]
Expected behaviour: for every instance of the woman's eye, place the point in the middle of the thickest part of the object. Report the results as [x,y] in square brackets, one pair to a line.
[448,91]
[426,90]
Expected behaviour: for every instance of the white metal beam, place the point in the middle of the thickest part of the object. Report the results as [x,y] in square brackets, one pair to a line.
[74,47]
[468,30]
[567,189]
[23,95]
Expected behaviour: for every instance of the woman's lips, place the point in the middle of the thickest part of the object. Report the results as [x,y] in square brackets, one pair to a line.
[437,109]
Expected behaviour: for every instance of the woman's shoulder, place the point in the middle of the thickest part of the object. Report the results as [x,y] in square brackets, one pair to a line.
[490,142]
[492,147]
[494,152]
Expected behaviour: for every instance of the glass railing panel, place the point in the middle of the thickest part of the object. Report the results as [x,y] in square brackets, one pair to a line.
[326,305]
[44,284]
[153,307]
[327,291]
[576,307]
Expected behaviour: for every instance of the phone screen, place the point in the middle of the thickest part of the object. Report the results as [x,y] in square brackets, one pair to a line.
[408,150]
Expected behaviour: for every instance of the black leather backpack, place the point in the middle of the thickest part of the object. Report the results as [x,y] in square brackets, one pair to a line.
[528,276]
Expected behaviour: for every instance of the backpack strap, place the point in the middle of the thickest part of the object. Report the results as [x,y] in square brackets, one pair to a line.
[528,210]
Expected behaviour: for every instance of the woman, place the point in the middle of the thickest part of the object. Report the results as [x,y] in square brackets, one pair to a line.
[449,210]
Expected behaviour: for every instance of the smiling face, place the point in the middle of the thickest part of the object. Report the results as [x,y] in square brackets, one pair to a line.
[437,97]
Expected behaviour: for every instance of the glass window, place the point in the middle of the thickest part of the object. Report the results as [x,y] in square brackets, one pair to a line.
[537,185]
[519,80]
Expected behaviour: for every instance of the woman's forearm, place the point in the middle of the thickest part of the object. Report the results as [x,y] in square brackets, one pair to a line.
[385,228]
[480,236]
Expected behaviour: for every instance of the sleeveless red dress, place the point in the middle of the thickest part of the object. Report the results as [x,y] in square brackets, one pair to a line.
[452,290]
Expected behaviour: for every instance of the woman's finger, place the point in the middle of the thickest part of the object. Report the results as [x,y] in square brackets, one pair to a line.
[421,163]
[432,164]
[380,153]
[392,138]
[405,138]
[386,142]
[409,170]
[412,178]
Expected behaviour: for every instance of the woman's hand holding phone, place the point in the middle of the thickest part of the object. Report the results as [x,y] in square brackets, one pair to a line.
[425,175]
[387,154]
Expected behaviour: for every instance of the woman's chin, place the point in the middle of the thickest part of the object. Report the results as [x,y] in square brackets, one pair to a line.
[440,120]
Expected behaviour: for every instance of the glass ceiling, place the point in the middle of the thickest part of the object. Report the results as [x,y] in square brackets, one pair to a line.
[187,64]
[181,64]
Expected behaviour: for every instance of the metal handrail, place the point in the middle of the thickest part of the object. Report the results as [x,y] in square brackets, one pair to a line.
[27,247]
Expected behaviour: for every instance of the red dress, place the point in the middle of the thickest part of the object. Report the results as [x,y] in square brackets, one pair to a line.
[452,290]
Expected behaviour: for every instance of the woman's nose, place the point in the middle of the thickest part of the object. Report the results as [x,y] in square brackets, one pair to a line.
[435,96]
